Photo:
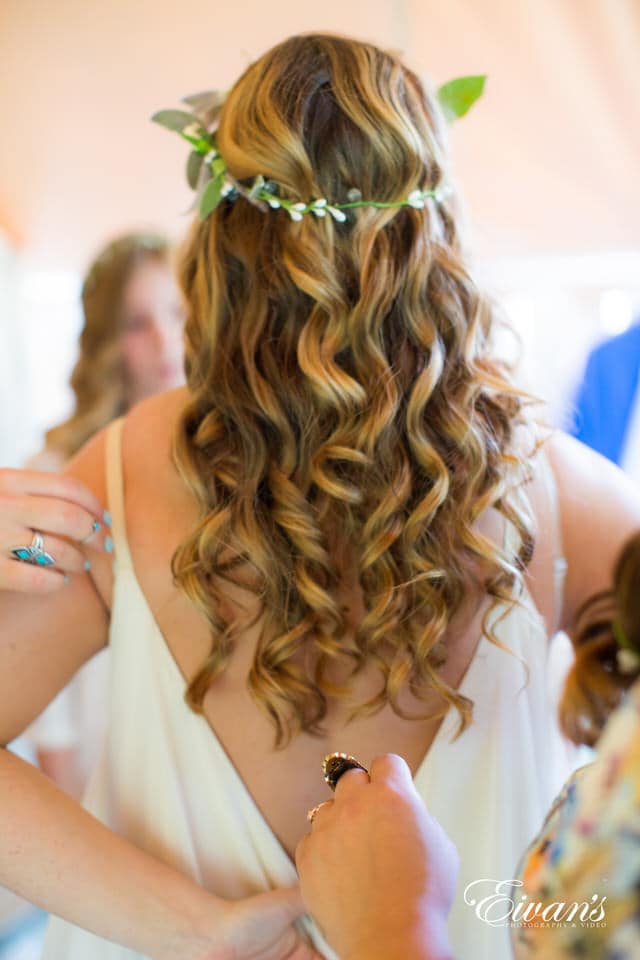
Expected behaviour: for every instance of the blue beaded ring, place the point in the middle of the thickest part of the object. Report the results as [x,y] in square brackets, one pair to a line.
[35,554]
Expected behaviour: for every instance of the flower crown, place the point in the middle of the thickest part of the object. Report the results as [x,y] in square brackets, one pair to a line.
[207,172]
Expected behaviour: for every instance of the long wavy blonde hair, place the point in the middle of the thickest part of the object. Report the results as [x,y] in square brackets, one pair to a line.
[98,379]
[344,392]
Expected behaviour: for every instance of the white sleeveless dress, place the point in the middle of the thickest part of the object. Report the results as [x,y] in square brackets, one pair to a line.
[165,782]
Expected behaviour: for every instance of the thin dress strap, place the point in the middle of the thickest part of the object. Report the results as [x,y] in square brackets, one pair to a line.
[511,540]
[115,493]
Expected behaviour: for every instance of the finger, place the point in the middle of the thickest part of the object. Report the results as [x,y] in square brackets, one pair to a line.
[301,851]
[303,951]
[390,767]
[58,485]
[321,809]
[49,515]
[290,946]
[350,782]
[287,900]
[28,578]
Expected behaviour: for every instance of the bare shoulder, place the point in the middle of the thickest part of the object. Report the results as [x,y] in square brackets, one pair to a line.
[599,510]
[149,426]
[89,465]
[146,443]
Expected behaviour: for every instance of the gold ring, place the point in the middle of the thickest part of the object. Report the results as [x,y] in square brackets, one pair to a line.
[311,814]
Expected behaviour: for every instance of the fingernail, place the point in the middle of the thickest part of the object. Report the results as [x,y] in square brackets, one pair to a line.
[66,578]
[108,545]
[106,516]
[87,564]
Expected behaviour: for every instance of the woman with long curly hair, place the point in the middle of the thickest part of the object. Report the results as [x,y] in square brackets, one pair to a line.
[342,534]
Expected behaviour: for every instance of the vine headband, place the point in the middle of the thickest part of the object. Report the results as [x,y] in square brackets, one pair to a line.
[208,176]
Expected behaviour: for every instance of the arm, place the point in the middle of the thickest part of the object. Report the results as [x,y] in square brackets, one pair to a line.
[60,857]
[599,511]
[51,851]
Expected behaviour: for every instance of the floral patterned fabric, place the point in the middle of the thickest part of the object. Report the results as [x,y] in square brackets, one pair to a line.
[581,875]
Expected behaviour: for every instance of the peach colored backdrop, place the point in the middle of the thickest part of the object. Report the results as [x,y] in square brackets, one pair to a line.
[548,160]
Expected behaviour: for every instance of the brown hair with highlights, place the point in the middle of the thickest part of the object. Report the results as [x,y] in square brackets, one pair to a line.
[345,397]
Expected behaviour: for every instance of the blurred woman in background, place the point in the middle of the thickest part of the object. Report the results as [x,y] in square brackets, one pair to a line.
[130,344]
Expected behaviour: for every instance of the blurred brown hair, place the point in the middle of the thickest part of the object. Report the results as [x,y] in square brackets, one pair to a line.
[596,685]
[98,379]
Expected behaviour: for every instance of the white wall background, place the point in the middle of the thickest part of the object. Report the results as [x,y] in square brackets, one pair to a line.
[40,320]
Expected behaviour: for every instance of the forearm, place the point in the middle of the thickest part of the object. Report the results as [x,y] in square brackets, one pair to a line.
[60,857]
[401,951]
[422,941]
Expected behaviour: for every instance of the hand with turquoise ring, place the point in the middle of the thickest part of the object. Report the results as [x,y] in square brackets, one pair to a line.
[45,519]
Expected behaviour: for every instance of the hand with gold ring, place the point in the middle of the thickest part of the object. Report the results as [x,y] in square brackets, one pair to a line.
[45,521]
[334,766]
[377,871]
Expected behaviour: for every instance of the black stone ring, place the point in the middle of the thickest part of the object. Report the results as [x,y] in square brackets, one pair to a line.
[335,765]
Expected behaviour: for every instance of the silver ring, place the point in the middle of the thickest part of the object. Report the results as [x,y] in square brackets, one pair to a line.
[35,553]
[94,529]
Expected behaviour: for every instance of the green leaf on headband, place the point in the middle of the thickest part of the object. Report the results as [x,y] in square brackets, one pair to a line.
[207,105]
[211,196]
[194,166]
[176,120]
[217,166]
[457,96]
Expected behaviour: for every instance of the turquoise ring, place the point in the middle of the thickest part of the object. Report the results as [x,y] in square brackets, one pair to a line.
[35,553]
[95,526]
